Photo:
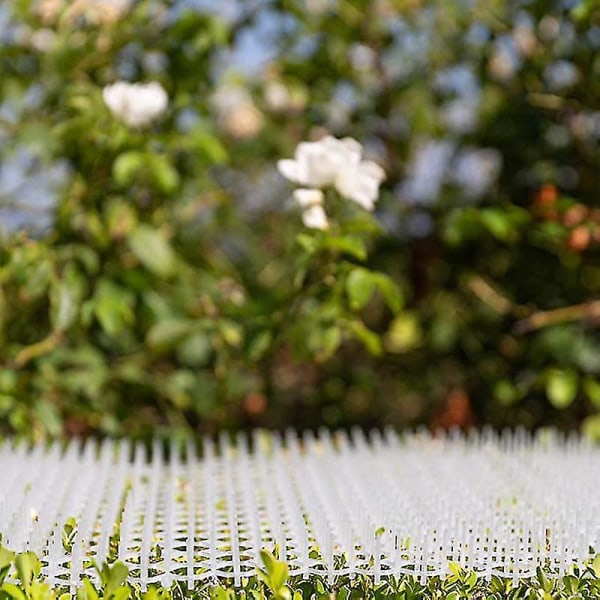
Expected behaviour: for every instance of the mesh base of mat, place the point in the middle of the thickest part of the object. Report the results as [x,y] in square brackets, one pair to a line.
[333,504]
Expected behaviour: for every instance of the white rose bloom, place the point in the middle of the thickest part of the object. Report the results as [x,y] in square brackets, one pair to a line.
[360,183]
[317,164]
[313,213]
[333,162]
[314,217]
[136,104]
[307,198]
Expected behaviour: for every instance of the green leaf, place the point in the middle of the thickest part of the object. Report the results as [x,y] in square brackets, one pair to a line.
[360,286]
[591,427]
[544,582]
[121,593]
[276,572]
[126,167]
[157,593]
[260,345]
[195,350]
[504,223]
[307,242]
[583,9]
[167,334]
[48,413]
[113,576]
[87,591]
[471,580]
[113,306]
[591,388]
[329,341]
[221,593]
[209,145]
[496,222]
[389,290]
[28,568]
[13,591]
[596,565]
[353,246]
[369,339]
[232,332]
[153,250]
[164,174]
[6,557]
[68,533]
[561,387]
[404,333]
[6,561]
[265,574]
[120,217]
[279,575]
[66,295]
[571,584]
[506,392]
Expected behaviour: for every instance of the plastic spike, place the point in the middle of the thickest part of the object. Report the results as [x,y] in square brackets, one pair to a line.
[380,503]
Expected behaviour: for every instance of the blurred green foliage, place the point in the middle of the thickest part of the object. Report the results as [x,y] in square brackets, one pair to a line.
[172,285]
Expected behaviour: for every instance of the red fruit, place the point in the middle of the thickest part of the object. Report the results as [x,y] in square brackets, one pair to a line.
[579,239]
[575,215]
[546,196]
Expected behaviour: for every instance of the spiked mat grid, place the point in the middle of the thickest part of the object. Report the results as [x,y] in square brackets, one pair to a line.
[332,504]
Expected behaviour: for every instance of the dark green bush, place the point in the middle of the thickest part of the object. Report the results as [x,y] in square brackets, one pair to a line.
[169,286]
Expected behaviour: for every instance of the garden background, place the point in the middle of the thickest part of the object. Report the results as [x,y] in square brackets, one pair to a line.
[160,278]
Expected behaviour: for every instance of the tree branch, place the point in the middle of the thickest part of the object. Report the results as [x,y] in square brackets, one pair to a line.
[543,318]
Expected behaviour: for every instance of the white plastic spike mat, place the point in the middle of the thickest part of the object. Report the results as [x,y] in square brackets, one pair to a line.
[332,504]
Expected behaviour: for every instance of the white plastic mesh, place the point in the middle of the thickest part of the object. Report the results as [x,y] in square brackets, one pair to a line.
[332,504]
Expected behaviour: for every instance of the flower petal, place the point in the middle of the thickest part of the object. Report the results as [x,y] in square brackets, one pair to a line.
[360,183]
[372,169]
[314,217]
[352,148]
[306,198]
[318,167]
[289,169]
[322,163]
[136,104]
[115,98]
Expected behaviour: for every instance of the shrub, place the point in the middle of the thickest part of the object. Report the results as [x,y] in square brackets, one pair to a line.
[273,582]
[152,275]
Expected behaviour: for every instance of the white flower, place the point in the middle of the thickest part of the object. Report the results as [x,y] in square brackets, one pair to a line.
[314,217]
[361,183]
[136,104]
[333,162]
[313,213]
[317,164]
[307,198]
